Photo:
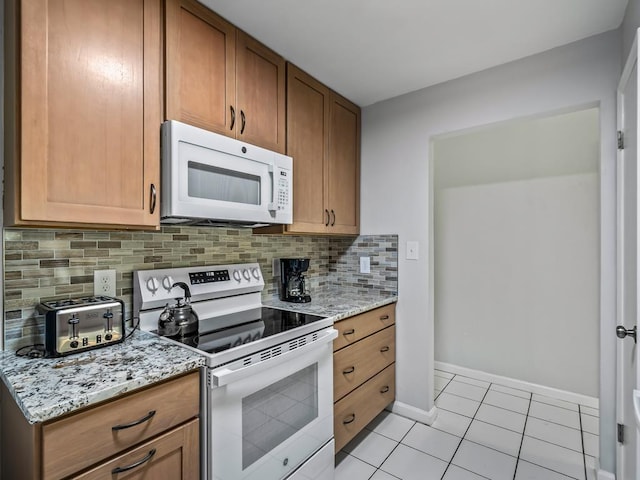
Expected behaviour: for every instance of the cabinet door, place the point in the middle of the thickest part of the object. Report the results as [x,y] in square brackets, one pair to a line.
[344,166]
[172,456]
[260,81]
[200,67]
[90,106]
[307,134]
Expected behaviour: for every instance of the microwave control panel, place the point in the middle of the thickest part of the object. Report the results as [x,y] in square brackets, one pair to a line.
[283,190]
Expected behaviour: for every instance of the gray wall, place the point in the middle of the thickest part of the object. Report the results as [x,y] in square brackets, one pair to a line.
[396,137]
[630,25]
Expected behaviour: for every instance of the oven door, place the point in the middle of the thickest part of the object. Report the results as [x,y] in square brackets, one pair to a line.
[266,419]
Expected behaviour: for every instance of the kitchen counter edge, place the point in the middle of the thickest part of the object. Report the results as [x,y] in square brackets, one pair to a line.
[47,388]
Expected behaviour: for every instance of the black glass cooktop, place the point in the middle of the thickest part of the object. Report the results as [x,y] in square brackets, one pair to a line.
[261,324]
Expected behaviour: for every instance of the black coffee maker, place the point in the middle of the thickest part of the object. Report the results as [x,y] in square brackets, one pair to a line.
[292,283]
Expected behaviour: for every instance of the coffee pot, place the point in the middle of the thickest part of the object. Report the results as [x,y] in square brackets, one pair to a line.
[293,287]
[178,320]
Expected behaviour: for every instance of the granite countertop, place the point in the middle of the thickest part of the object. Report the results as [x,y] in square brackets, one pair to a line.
[46,388]
[337,303]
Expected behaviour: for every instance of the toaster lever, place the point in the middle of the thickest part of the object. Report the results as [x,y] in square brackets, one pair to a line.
[73,321]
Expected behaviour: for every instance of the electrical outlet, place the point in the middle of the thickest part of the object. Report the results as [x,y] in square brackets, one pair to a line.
[104,282]
[365,265]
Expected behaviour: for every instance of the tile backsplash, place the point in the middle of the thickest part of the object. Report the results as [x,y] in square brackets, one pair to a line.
[52,264]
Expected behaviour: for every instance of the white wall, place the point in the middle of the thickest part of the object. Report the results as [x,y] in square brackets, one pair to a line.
[630,24]
[395,185]
[517,250]
[517,280]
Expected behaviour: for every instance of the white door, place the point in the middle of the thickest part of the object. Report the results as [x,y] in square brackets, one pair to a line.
[627,269]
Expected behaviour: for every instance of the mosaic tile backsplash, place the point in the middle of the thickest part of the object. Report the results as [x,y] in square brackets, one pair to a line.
[53,264]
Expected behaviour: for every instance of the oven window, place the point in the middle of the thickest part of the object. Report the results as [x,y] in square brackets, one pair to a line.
[272,415]
[214,183]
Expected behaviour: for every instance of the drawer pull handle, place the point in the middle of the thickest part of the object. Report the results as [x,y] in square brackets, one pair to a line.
[148,457]
[351,331]
[384,317]
[384,349]
[124,426]
[384,389]
[349,419]
[349,370]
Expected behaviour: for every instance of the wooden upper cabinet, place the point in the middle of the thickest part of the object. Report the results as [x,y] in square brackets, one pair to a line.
[201,64]
[220,79]
[307,142]
[344,166]
[323,137]
[260,88]
[84,108]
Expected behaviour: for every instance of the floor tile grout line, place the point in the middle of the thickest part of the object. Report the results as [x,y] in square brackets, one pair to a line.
[398,442]
[584,460]
[465,432]
[524,429]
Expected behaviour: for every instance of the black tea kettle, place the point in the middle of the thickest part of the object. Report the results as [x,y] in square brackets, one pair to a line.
[178,320]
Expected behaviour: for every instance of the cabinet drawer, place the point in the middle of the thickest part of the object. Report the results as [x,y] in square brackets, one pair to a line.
[354,365]
[356,410]
[172,456]
[83,439]
[352,329]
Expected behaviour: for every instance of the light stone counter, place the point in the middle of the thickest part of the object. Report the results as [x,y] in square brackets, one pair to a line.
[336,303]
[46,388]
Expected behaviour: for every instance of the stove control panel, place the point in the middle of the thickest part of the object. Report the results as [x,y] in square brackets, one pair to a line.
[154,288]
[209,276]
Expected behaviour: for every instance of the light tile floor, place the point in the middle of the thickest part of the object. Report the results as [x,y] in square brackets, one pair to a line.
[483,431]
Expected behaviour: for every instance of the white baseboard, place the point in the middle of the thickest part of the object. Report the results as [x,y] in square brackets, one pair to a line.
[414,413]
[602,475]
[519,384]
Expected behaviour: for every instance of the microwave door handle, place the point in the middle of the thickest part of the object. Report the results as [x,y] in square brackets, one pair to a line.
[273,205]
[224,376]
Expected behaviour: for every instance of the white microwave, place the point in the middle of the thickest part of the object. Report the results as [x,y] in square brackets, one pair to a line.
[210,179]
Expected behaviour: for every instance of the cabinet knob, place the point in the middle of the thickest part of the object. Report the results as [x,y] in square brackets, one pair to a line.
[233,117]
[384,349]
[384,317]
[333,214]
[351,331]
[146,418]
[244,121]
[326,224]
[154,197]
[349,419]
[349,370]
[142,461]
[384,389]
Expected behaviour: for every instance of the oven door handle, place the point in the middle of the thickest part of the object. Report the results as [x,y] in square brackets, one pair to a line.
[224,375]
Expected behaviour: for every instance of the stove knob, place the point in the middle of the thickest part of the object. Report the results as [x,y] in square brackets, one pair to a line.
[245,274]
[167,282]
[255,272]
[152,285]
[236,276]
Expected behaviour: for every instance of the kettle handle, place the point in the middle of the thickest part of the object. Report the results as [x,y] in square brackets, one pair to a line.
[185,287]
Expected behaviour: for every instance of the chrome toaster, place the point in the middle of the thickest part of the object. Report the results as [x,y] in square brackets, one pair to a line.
[79,324]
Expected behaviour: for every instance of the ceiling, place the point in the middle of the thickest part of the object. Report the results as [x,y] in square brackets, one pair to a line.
[372,50]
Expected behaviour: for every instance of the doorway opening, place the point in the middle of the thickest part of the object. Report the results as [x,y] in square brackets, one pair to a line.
[516,259]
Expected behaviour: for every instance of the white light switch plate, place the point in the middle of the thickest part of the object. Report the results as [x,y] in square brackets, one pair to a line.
[413,252]
[365,265]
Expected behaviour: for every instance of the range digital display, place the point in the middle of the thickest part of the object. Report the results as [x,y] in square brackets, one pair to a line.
[209,277]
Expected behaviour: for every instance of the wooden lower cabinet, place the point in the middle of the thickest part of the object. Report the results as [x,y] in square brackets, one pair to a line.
[116,434]
[363,371]
[356,410]
[171,456]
